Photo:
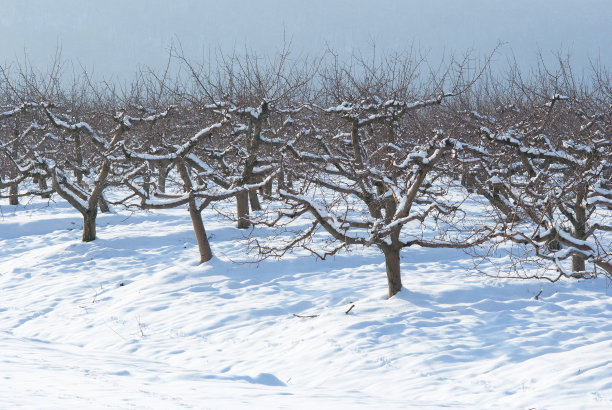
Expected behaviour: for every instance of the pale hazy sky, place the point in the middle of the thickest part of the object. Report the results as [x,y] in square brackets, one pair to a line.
[113,38]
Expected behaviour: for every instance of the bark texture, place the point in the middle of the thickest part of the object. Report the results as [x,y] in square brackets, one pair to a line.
[13,194]
[242,210]
[200,233]
[89,225]
[392,265]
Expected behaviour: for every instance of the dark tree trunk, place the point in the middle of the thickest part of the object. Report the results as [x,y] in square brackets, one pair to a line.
[195,213]
[103,204]
[14,188]
[392,264]
[163,173]
[281,179]
[468,181]
[267,190]
[146,183]
[242,210]
[290,180]
[200,233]
[89,225]
[78,157]
[42,185]
[13,194]
[578,261]
[254,200]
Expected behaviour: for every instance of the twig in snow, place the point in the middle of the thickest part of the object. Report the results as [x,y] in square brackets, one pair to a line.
[305,316]
[140,326]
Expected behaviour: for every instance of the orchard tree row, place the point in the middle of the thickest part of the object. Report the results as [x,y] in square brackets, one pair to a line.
[382,152]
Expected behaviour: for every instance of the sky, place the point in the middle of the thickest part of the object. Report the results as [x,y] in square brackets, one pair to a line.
[113,39]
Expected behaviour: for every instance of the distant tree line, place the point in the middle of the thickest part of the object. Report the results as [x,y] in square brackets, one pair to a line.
[387,152]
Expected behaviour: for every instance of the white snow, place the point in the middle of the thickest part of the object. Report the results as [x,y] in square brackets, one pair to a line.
[131,321]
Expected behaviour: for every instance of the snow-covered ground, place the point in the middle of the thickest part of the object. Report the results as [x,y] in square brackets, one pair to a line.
[131,321]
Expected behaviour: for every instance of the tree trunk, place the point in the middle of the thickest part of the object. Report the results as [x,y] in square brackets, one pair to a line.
[254,200]
[392,264]
[200,233]
[578,264]
[468,180]
[146,183]
[162,174]
[78,153]
[242,210]
[281,179]
[13,194]
[103,204]
[290,180]
[42,185]
[267,190]
[89,225]
[578,261]
[14,188]
[195,213]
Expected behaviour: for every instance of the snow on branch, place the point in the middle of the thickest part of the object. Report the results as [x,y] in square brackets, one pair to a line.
[21,108]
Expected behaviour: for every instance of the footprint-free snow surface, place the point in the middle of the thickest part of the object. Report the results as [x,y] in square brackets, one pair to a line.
[131,321]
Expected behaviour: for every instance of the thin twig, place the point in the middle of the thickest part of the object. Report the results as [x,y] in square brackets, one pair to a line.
[305,316]
[537,297]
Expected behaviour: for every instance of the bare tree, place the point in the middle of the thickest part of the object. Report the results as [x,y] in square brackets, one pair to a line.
[376,164]
[253,92]
[20,124]
[201,184]
[374,151]
[544,165]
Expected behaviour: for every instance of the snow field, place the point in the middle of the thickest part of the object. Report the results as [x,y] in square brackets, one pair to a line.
[131,321]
